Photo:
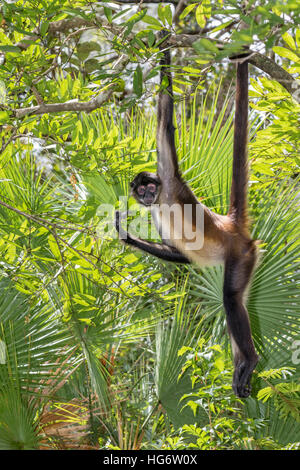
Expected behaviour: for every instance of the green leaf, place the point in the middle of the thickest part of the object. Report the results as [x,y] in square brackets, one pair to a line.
[129,259]
[276,10]
[283,52]
[160,12]
[151,38]
[54,247]
[298,37]
[277,373]
[183,350]
[152,21]
[108,14]
[187,10]
[8,48]
[220,365]
[168,14]
[207,8]
[134,18]
[205,45]
[289,40]
[4,117]
[200,18]
[193,405]
[138,81]
[192,70]
[221,26]
[44,28]
[165,14]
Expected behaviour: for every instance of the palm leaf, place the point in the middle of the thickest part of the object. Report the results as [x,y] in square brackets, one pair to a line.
[172,334]
[18,426]
[36,361]
[34,340]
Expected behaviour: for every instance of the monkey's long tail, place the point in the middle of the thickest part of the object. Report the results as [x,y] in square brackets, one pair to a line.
[238,209]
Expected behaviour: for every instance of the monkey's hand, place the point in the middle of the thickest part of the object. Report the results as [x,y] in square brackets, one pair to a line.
[160,250]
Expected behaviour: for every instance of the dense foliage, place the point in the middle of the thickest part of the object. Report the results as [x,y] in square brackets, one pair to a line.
[102,346]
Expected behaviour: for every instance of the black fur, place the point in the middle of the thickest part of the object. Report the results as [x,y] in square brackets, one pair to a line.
[160,250]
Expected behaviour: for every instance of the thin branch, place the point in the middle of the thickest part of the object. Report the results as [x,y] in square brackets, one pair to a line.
[36,219]
[179,9]
[61,26]
[44,223]
[37,95]
[14,136]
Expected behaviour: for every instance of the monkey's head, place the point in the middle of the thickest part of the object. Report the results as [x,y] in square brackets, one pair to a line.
[145,188]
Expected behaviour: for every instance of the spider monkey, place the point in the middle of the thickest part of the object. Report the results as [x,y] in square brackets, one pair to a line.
[226,238]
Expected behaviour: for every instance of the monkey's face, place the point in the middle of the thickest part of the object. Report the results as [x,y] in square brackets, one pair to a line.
[145,188]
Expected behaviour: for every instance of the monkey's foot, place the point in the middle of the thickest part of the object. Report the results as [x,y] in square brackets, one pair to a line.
[242,377]
[242,391]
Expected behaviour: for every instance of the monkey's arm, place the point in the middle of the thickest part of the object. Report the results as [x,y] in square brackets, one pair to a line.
[160,250]
[166,151]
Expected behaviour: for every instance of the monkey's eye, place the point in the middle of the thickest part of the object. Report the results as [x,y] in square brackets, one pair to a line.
[141,190]
[151,187]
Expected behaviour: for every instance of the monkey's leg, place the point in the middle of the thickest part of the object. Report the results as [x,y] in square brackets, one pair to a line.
[236,278]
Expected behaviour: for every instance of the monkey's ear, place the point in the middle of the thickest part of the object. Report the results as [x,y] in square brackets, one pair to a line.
[131,184]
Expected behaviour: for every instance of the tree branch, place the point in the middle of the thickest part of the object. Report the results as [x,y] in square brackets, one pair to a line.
[264,63]
[277,73]
[179,9]
[187,40]
[72,105]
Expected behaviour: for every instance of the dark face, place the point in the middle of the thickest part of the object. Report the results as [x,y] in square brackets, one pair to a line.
[145,188]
